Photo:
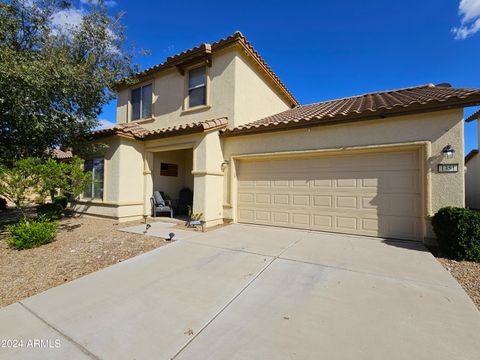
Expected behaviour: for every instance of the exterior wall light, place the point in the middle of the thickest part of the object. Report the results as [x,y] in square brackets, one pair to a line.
[224,164]
[448,151]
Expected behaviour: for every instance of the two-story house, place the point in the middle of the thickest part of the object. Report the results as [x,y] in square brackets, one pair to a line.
[217,120]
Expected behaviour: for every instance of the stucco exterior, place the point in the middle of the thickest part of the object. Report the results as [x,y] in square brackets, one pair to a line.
[238,89]
[429,132]
[255,98]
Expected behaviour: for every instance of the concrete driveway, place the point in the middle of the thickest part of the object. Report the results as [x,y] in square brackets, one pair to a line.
[251,292]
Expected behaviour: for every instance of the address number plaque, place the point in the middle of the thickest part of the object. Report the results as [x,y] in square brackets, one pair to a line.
[447,168]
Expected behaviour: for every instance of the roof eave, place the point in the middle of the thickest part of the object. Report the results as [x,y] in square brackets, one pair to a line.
[198,128]
[114,133]
[471,155]
[473,117]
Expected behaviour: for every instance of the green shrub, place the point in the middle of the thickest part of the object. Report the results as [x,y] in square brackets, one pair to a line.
[27,235]
[61,200]
[51,211]
[458,232]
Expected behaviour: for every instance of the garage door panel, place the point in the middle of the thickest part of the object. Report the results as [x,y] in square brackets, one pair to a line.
[246,198]
[300,219]
[281,199]
[322,221]
[346,202]
[322,201]
[281,183]
[301,200]
[374,194]
[246,215]
[263,216]
[262,198]
[281,218]
[346,224]
[322,183]
[370,225]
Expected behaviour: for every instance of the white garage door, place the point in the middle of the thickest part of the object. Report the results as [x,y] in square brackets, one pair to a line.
[366,194]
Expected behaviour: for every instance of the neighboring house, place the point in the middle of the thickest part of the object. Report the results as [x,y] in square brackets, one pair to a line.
[61,155]
[472,177]
[217,120]
[472,180]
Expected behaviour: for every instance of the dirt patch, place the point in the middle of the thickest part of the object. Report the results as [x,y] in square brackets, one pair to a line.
[467,273]
[83,245]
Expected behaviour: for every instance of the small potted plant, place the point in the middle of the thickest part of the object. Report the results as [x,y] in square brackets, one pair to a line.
[194,219]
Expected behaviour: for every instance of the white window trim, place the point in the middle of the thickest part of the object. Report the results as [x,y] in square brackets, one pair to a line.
[130,105]
[207,105]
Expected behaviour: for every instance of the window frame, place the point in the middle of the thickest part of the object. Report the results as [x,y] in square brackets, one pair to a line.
[141,87]
[206,85]
[93,181]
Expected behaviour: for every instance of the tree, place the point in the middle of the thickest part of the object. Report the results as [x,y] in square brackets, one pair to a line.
[25,178]
[55,78]
[20,182]
[67,179]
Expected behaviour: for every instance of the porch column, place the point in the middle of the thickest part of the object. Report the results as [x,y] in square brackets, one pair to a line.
[147,182]
[208,179]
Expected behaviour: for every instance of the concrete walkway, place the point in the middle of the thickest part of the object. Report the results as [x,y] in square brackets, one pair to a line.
[251,292]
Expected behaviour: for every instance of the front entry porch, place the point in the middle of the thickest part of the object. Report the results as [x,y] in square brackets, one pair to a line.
[172,177]
[183,174]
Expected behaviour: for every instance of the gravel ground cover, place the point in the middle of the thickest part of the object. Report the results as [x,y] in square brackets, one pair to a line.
[83,245]
[467,273]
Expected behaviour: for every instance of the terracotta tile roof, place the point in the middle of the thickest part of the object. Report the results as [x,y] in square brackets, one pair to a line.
[364,107]
[134,130]
[471,155]
[474,116]
[129,129]
[188,128]
[60,154]
[205,49]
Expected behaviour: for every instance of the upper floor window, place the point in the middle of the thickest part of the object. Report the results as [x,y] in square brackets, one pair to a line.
[142,102]
[95,189]
[197,87]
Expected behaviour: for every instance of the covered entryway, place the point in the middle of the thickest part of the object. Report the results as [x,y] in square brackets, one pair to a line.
[376,194]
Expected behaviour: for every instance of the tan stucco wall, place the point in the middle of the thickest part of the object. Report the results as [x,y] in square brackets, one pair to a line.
[169,93]
[472,183]
[437,129]
[131,166]
[123,184]
[209,178]
[236,90]
[255,98]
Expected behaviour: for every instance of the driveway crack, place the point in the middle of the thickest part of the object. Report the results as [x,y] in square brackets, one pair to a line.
[242,290]
[76,344]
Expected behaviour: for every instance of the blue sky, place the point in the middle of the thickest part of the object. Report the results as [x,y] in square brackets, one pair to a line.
[324,49]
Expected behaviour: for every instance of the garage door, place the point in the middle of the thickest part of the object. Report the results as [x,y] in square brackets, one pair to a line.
[366,194]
